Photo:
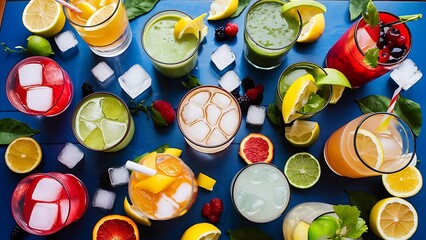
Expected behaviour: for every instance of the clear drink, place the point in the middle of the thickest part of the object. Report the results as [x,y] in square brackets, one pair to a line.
[209,118]
[102,122]
[260,192]
[348,154]
[44,203]
[103,25]
[169,193]
[39,86]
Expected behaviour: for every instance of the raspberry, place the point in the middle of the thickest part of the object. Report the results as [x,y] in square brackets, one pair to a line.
[220,34]
[86,88]
[252,94]
[216,206]
[260,87]
[206,210]
[166,110]
[244,103]
[213,218]
[258,99]
[247,83]
[231,29]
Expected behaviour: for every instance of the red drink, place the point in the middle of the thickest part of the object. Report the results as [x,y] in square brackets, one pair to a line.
[39,86]
[43,204]
[347,54]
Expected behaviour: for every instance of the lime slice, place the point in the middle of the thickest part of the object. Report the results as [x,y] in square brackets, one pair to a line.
[306,8]
[85,128]
[95,139]
[92,111]
[333,77]
[112,108]
[302,170]
[113,131]
[302,133]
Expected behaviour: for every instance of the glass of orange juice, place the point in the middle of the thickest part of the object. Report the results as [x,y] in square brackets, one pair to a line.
[370,145]
[103,25]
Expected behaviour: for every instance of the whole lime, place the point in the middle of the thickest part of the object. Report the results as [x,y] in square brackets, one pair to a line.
[39,46]
[323,228]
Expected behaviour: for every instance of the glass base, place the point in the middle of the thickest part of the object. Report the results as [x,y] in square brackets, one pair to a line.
[116,48]
[260,67]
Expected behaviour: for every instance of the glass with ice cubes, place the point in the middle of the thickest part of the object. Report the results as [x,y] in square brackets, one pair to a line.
[209,118]
[44,203]
[260,192]
[167,194]
[39,86]
[102,122]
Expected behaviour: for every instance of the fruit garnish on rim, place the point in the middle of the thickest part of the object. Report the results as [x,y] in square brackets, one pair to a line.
[194,26]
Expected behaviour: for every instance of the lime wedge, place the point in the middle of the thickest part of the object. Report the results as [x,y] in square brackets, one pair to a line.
[302,170]
[333,77]
[95,139]
[306,8]
[112,108]
[113,131]
[85,128]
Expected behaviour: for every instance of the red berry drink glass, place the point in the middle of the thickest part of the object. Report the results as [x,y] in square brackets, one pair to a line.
[39,86]
[348,53]
[44,203]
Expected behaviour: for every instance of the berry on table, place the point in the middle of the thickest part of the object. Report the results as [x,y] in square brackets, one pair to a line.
[231,29]
[166,111]
[252,94]
[244,102]
[206,211]
[220,34]
[247,83]
[213,218]
[235,93]
[86,88]
[216,206]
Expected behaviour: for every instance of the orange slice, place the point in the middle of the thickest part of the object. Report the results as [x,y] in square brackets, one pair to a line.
[115,227]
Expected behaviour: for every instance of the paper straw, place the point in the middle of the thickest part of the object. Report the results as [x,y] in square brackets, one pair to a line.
[393,99]
[68,5]
[140,168]
[383,126]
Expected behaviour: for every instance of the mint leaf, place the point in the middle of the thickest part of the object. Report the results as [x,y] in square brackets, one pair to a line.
[371,57]
[192,82]
[363,201]
[371,15]
[410,112]
[356,8]
[347,214]
[10,129]
[373,103]
[314,104]
[135,8]
[242,4]
[158,118]
[248,233]
[356,230]
[274,115]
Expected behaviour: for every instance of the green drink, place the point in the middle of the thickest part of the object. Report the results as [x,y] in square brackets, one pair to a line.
[171,57]
[269,34]
[102,122]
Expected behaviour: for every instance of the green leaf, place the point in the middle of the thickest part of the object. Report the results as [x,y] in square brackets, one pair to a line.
[274,115]
[357,7]
[158,118]
[347,214]
[192,82]
[410,112]
[248,233]
[10,129]
[242,4]
[363,201]
[159,149]
[371,57]
[135,8]
[314,104]
[371,15]
[355,231]
[373,103]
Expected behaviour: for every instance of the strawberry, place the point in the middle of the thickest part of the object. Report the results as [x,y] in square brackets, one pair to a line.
[252,94]
[216,206]
[162,113]
[231,29]
[373,32]
[206,210]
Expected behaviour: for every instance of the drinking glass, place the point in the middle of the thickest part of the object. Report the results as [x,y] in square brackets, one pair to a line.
[103,25]
[209,118]
[269,34]
[44,203]
[260,192]
[348,53]
[171,57]
[348,155]
[39,86]
[102,122]
[168,194]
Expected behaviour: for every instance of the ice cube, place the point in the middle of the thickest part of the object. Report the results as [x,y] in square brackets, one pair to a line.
[191,113]
[70,155]
[47,190]
[223,56]
[135,81]
[166,207]
[229,81]
[280,197]
[43,216]
[213,113]
[229,122]
[53,74]
[200,99]
[103,199]
[40,98]
[199,131]
[118,176]
[365,42]
[258,175]
[66,42]
[183,192]
[30,74]
[102,72]
[406,74]
[216,138]
[256,115]
[64,206]
[221,100]
[248,202]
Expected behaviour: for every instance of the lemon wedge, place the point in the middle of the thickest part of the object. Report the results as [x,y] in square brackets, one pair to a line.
[201,231]
[173,151]
[187,25]
[134,214]
[205,181]
[302,133]
[221,9]
[313,29]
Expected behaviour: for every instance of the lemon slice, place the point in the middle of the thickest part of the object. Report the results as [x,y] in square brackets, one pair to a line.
[134,214]
[23,155]
[306,8]
[297,96]
[86,10]
[101,15]
[369,148]
[221,9]
[187,25]
[205,181]
[302,133]
[201,231]
[313,29]
[405,183]
[43,17]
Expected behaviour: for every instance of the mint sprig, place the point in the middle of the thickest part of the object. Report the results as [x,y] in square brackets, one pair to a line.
[371,15]
[371,57]
[351,225]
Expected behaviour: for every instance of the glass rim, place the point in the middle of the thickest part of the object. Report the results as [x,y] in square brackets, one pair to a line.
[151,20]
[269,48]
[402,122]
[87,98]
[66,13]
[199,88]
[379,63]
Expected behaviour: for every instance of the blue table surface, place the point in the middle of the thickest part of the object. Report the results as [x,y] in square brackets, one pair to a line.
[56,131]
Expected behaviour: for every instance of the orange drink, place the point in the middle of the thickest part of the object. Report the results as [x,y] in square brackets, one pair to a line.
[370,145]
[103,25]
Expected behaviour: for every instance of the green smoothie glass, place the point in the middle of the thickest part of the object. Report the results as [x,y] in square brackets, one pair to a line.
[171,57]
[269,34]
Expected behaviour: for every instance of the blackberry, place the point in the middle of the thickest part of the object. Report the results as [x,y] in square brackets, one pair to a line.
[247,83]
[258,100]
[220,34]
[17,233]
[104,181]
[235,93]
[86,88]
[244,102]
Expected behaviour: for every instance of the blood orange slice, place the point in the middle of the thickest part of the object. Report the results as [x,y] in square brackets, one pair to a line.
[115,227]
[256,147]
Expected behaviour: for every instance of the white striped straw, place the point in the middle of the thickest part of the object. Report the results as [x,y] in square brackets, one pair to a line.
[69,5]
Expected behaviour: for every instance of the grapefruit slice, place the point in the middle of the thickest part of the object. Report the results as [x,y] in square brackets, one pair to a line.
[115,227]
[256,147]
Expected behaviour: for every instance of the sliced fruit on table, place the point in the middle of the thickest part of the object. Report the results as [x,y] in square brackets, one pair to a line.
[306,8]
[256,147]
[43,17]
[194,26]
[393,218]
[205,181]
[302,170]
[221,9]
[115,227]
[23,155]
[302,133]
[369,148]
[201,231]
[313,29]
[405,183]
[134,214]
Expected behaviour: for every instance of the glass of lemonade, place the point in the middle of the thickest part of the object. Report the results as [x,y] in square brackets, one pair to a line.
[260,192]
[44,203]
[39,86]
[171,57]
[169,193]
[348,53]
[103,25]
[269,34]
[370,145]
[209,118]
[102,122]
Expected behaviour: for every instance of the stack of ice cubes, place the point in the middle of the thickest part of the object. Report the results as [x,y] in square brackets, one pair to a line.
[135,81]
